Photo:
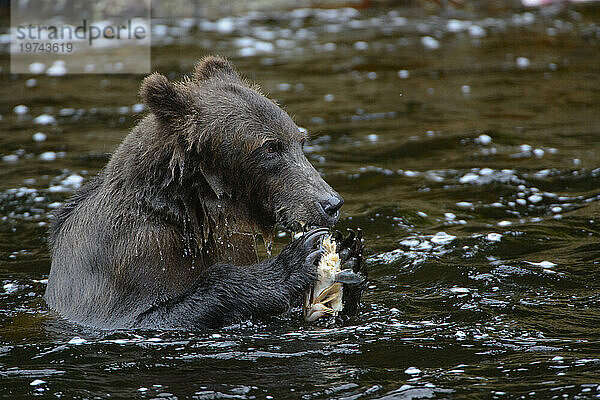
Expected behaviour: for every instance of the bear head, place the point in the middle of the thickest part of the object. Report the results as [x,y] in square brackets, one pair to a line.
[242,147]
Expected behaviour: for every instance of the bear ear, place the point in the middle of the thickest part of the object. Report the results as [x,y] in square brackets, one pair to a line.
[212,66]
[164,99]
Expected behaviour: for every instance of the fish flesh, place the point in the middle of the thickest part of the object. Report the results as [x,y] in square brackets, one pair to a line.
[325,297]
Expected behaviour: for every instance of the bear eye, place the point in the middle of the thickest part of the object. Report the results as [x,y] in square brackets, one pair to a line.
[272,147]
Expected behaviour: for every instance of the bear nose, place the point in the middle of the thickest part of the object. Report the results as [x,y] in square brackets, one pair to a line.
[331,206]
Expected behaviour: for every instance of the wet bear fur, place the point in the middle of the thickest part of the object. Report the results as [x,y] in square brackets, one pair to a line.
[163,237]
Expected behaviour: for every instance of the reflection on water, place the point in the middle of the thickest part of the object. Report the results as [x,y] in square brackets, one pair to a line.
[466,148]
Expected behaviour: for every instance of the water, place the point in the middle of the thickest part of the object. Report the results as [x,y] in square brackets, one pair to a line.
[467,149]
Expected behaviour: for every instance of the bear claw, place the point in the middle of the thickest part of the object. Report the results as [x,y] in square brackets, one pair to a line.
[311,237]
[314,256]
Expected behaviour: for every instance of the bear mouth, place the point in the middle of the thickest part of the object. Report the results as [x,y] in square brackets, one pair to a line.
[301,226]
[303,221]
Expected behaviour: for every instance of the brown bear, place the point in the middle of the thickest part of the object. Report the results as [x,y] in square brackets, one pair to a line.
[163,237]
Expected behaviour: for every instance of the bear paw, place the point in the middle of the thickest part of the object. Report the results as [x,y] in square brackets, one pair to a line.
[350,249]
[300,259]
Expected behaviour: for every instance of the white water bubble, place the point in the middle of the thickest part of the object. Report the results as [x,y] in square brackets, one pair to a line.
[264,47]
[556,209]
[372,137]
[412,371]
[244,41]
[10,158]
[329,97]
[360,45]
[37,68]
[44,119]
[39,137]
[504,223]
[48,156]
[421,214]
[284,87]
[542,173]
[523,62]
[247,52]
[430,42]
[425,246]
[484,139]
[10,287]
[159,30]
[460,335]
[442,238]
[225,25]
[265,34]
[410,242]
[77,340]
[477,31]
[464,204]
[466,89]
[456,25]
[535,198]
[31,83]
[21,109]
[138,107]
[329,46]
[58,68]
[460,290]
[542,264]
[494,237]
[37,382]
[469,178]
[450,216]
[73,180]
[538,153]
[403,74]
[67,111]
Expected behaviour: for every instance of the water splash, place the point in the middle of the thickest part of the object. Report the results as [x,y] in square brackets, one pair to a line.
[268,241]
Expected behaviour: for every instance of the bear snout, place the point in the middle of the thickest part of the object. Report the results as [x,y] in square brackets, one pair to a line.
[330,208]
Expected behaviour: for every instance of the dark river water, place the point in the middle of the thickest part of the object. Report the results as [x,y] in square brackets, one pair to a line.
[467,148]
